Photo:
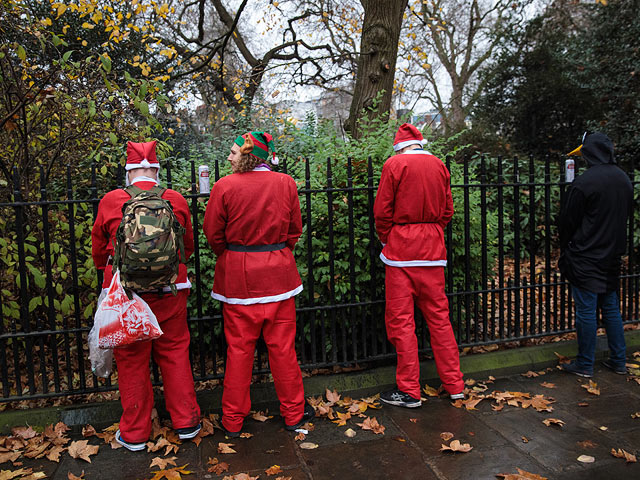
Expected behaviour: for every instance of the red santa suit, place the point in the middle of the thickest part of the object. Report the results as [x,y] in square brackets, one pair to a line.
[171,349]
[412,208]
[258,211]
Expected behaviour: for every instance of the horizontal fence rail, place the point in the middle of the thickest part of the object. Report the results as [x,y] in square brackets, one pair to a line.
[501,280]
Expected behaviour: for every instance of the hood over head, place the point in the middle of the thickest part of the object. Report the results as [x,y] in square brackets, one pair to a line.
[596,149]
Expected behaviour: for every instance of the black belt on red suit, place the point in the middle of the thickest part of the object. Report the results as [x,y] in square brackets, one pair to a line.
[256,248]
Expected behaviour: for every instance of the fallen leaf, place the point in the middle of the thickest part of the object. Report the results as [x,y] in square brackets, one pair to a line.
[446,436]
[553,421]
[587,444]
[283,478]
[9,457]
[529,374]
[24,432]
[525,439]
[469,382]
[71,476]
[240,476]
[246,435]
[226,448]
[162,463]
[548,385]
[54,454]
[603,428]
[88,431]
[349,432]
[635,415]
[171,474]
[273,470]
[308,445]
[497,408]
[35,476]
[562,358]
[620,453]
[415,420]
[586,459]
[219,468]
[521,475]
[471,402]
[342,418]
[260,417]
[399,439]
[592,387]
[332,396]
[430,391]
[373,425]
[82,449]
[8,474]
[583,404]
[456,446]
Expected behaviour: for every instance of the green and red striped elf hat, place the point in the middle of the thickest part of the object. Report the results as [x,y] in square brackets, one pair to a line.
[262,145]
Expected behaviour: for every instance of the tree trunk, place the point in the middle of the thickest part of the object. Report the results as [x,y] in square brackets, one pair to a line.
[377,62]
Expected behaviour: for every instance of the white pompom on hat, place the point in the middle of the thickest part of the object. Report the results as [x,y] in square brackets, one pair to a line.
[141,155]
[407,135]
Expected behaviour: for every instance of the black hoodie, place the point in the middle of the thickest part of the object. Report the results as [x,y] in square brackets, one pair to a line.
[593,219]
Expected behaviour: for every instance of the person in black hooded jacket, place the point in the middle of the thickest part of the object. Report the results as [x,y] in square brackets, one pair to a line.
[593,227]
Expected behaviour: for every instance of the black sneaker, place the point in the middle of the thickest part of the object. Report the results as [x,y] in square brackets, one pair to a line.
[620,370]
[575,369]
[230,434]
[400,399]
[309,413]
[134,447]
[189,432]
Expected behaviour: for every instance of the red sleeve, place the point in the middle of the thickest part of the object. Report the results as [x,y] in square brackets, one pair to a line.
[100,238]
[215,221]
[384,204]
[295,219]
[448,210]
[181,210]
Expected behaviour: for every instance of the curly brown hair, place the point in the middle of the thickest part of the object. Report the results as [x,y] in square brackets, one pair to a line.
[247,161]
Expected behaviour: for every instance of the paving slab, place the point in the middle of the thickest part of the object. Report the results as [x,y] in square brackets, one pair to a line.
[380,460]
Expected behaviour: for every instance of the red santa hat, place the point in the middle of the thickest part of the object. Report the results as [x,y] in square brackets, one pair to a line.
[141,155]
[407,135]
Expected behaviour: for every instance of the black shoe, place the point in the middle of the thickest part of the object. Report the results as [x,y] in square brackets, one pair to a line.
[617,369]
[189,432]
[400,399]
[309,413]
[575,369]
[229,434]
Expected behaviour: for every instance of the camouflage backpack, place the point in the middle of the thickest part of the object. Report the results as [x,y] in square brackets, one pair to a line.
[149,245]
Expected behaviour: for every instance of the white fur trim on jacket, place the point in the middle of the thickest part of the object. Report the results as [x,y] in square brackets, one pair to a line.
[413,263]
[254,300]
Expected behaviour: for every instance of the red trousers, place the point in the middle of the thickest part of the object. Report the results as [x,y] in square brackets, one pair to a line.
[171,353]
[425,286]
[242,327]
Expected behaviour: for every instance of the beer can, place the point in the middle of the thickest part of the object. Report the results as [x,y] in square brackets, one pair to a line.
[569,170]
[203,176]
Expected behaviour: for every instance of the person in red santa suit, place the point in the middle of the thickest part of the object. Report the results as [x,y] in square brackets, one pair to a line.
[412,208]
[171,349]
[252,223]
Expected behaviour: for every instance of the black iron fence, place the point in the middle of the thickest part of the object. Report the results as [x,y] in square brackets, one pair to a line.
[502,281]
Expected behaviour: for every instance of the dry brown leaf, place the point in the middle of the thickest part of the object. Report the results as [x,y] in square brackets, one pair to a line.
[174,473]
[161,443]
[529,374]
[273,470]
[373,425]
[349,432]
[24,432]
[583,404]
[342,418]
[586,459]
[553,421]
[8,474]
[446,436]
[240,476]
[620,453]
[592,387]
[82,449]
[562,358]
[525,439]
[635,415]
[71,476]
[9,457]
[53,455]
[308,445]
[469,382]
[587,444]
[217,467]
[300,437]
[35,476]
[603,428]
[88,431]
[398,438]
[521,475]
[332,396]
[548,385]
[413,420]
[283,478]
[456,446]
[246,435]
[430,391]
[226,448]
[261,417]
[162,463]
[471,402]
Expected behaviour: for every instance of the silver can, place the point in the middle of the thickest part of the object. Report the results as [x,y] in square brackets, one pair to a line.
[203,176]
[569,170]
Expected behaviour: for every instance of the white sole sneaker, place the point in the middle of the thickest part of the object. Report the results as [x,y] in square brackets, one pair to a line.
[457,396]
[402,404]
[134,447]
[193,434]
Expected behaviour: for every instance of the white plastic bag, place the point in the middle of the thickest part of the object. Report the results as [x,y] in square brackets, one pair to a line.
[101,358]
[118,321]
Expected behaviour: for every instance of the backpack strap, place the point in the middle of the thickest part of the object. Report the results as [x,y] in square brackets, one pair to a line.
[133,191]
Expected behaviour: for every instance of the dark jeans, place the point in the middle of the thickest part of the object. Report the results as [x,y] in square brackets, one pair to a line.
[586,304]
